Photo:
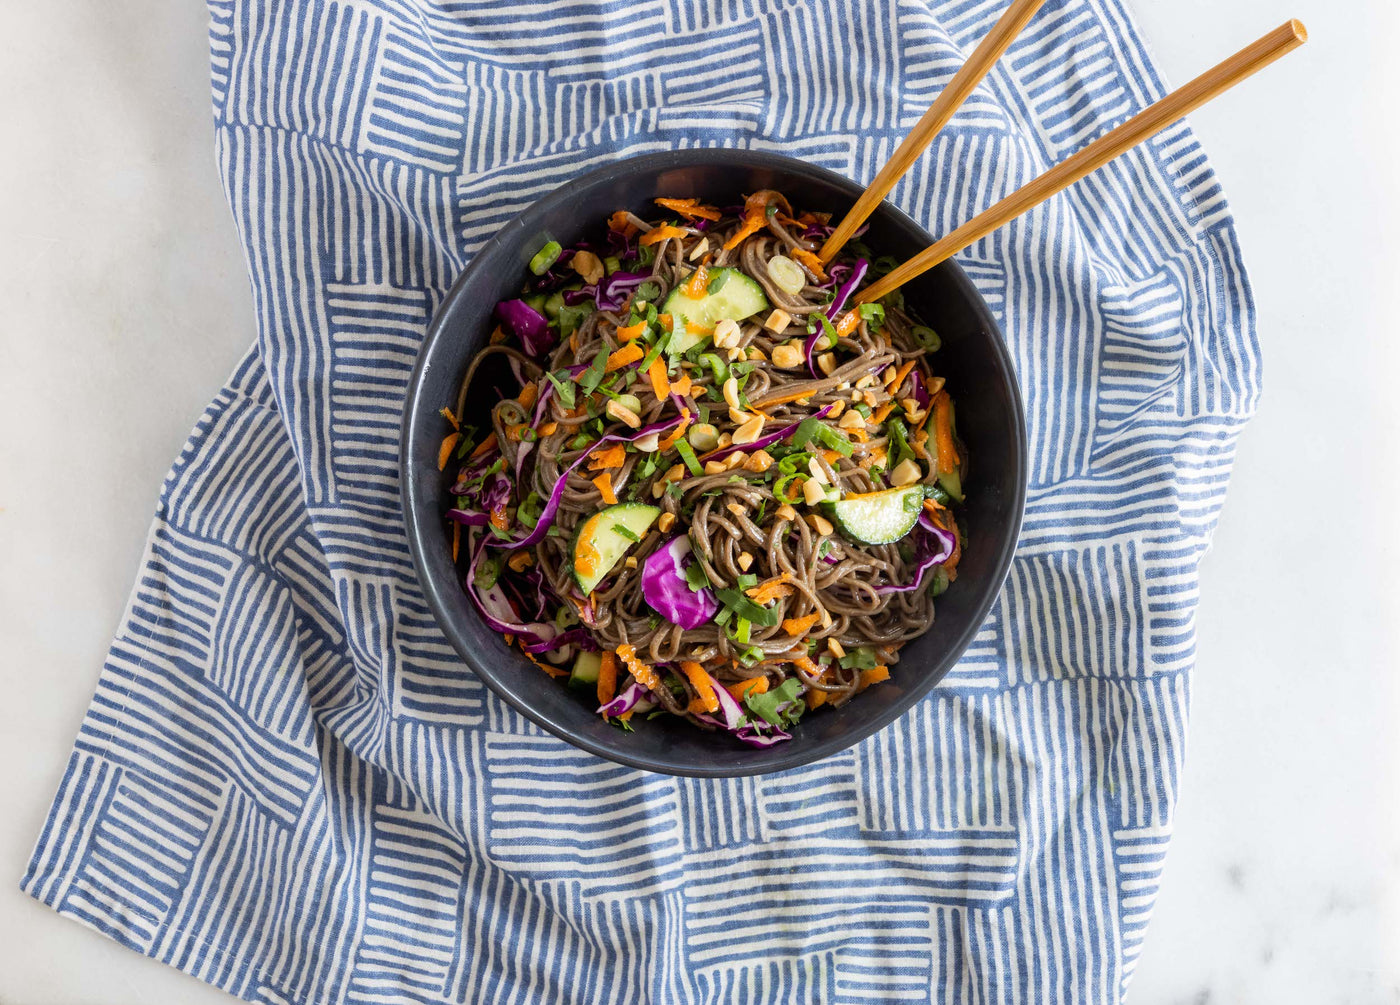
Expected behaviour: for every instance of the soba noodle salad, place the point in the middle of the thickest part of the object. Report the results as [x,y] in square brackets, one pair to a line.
[715,488]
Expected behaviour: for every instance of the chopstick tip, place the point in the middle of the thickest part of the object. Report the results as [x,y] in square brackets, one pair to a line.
[1300,30]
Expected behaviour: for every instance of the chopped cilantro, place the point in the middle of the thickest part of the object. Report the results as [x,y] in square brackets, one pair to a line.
[593,376]
[781,706]
[564,387]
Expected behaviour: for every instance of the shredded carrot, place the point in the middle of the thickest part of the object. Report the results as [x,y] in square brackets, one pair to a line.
[815,698]
[859,435]
[665,321]
[882,413]
[691,209]
[608,457]
[694,287]
[831,456]
[552,671]
[549,428]
[918,441]
[681,385]
[510,639]
[811,261]
[516,432]
[528,394]
[626,715]
[498,335]
[604,483]
[629,353]
[874,675]
[485,445]
[449,444]
[446,413]
[754,685]
[645,675]
[782,399]
[700,680]
[848,323]
[659,234]
[675,434]
[499,520]
[573,343]
[520,560]
[756,215]
[770,590]
[797,627]
[628,332]
[586,557]
[607,678]
[660,386]
[696,328]
[456,539]
[620,222]
[900,374]
[805,663]
[943,431]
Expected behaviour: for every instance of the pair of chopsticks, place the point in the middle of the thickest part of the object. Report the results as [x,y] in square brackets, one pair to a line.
[1146,124]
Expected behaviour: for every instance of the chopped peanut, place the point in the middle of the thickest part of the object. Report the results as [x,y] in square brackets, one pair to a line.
[647,444]
[786,512]
[826,363]
[749,431]
[818,472]
[837,407]
[701,246]
[833,646]
[727,333]
[736,353]
[760,462]
[851,420]
[587,265]
[674,473]
[623,414]
[725,439]
[665,522]
[787,356]
[735,459]
[867,381]
[813,491]
[745,560]
[715,468]
[778,321]
[756,354]
[738,416]
[631,562]
[820,524]
[906,472]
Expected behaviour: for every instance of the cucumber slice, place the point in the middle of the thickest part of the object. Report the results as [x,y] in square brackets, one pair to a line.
[878,517]
[586,669]
[602,540]
[735,297]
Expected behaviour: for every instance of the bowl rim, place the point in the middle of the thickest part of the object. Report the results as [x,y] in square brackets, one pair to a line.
[411,500]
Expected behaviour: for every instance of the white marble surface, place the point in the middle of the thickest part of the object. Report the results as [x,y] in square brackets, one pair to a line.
[125,305]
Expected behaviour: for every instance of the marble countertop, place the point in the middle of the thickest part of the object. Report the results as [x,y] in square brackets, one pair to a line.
[125,306]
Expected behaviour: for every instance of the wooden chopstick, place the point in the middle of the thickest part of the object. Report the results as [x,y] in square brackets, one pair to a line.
[1140,127]
[983,58]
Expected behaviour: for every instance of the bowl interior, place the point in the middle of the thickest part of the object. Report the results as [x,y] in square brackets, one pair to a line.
[972,358]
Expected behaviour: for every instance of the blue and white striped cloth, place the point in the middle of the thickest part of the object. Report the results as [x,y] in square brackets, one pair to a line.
[288,785]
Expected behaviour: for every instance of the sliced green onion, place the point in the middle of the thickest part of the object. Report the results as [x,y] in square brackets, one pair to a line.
[927,337]
[786,274]
[687,453]
[544,258]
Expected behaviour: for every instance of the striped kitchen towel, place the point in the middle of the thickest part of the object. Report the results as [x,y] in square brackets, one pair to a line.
[288,785]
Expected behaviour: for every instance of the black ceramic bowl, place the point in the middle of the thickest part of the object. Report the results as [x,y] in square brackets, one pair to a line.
[973,358]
